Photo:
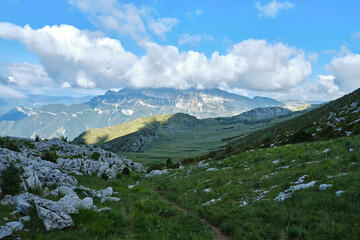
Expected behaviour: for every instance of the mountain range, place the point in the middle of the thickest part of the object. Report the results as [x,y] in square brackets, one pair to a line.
[112,108]
[36,101]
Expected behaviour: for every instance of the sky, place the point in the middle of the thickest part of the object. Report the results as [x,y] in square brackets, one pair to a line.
[283,49]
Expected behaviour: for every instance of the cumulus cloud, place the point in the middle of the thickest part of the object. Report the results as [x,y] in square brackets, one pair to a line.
[28,75]
[194,39]
[324,87]
[124,18]
[251,64]
[346,70]
[273,8]
[75,58]
[80,58]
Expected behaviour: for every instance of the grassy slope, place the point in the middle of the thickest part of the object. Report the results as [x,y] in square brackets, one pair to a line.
[144,213]
[93,136]
[214,135]
[141,214]
[308,214]
[331,120]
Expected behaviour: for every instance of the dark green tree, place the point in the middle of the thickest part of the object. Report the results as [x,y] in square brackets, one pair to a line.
[11,180]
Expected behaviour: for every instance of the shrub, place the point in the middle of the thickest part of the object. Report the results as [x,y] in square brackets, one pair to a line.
[229,149]
[327,133]
[29,144]
[301,136]
[95,156]
[126,171]
[54,147]
[211,154]
[37,138]
[49,156]
[104,176]
[11,145]
[11,180]
[63,138]
[159,166]
[266,140]
[169,163]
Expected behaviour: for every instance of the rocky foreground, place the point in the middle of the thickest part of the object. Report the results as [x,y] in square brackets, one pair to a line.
[48,173]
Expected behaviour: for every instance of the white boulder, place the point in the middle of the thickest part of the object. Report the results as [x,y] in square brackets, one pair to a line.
[15,226]
[5,232]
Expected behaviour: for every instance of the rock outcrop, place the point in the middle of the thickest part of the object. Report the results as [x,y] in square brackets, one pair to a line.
[43,174]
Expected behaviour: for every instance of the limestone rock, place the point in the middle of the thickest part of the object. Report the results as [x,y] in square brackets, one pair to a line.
[5,232]
[86,203]
[15,226]
[54,220]
[31,179]
[323,187]
[156,172]
[105,193]
[109,199]
[25,219]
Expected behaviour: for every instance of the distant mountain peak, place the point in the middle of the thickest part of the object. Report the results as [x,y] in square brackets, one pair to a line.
[129,104]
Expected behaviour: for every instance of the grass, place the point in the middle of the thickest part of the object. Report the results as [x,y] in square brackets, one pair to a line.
[141,214]
[172,206]
[214,134]
[308,214]
[93,136]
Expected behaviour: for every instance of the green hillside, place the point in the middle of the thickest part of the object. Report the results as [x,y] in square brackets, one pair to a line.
[231,198]
[153,140]
[338,118]
[103,135]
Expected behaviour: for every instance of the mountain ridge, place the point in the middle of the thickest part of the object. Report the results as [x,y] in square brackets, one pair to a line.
[112,108]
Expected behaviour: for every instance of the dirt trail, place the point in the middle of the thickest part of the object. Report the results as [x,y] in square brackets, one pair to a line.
[219,235]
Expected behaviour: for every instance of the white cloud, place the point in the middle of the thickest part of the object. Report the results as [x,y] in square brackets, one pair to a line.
[190,15]
[356,36]
[125,18]
[7,92]
[76,58]
[251,64]
[194,39]
[273,8]
[323,88]
[28,75]
[346,70]
[162,25]
[80,58]
[313,57]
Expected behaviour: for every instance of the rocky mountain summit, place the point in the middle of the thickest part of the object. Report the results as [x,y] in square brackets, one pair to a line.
[262,113]
[47,172]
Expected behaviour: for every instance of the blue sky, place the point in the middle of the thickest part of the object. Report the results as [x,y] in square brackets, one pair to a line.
[303,49]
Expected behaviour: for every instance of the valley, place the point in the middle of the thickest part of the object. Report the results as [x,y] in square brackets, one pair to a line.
[154,140]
